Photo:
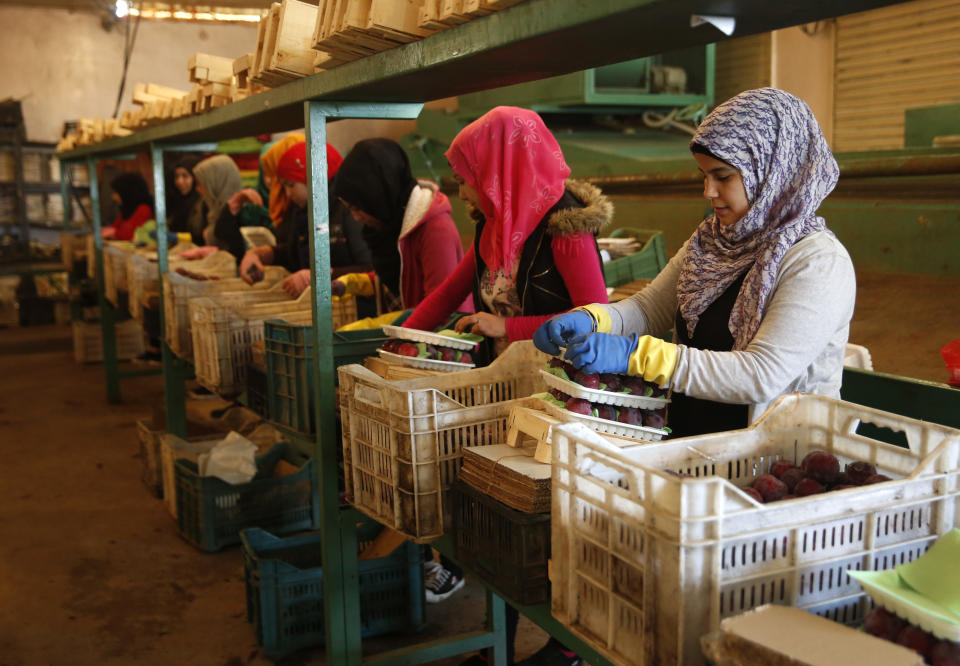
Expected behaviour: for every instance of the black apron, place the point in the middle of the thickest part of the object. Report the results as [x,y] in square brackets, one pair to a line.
[693,416]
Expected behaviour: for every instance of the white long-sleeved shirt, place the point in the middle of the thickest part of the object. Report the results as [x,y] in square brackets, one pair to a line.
[799,346]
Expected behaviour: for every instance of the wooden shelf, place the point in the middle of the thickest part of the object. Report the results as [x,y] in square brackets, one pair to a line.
[533,40]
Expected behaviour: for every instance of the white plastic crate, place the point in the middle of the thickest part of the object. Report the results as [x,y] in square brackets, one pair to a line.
[178,290]
[646,561]
[857,356]
[143,275]
[88,345]
[402,440]
[223,331]
[115,255]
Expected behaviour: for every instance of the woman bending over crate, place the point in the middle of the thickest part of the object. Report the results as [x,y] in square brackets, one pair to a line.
[348,250]
[413,241]
[761,294]
[131,194]
[534,252]
[218,179]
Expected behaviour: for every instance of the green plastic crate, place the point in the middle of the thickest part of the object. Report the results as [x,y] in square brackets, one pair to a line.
[211,512]
[284,584]
[289,356]
[646,263]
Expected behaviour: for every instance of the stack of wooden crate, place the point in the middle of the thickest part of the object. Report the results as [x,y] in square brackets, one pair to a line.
[212,77]
[294,39]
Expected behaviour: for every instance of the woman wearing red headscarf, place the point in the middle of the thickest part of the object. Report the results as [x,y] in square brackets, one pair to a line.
[347,247]
[534,252]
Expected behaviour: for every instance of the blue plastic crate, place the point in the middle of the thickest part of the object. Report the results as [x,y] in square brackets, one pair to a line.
[647,263]
[211,512]
[289,355]
[284,584]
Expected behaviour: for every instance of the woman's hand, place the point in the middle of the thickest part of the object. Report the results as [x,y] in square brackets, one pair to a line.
[199,252]
[244,196]
[483,323]
[108,232]
[251,267]
[295,284]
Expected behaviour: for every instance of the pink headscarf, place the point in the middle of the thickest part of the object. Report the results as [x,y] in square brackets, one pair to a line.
[512,160]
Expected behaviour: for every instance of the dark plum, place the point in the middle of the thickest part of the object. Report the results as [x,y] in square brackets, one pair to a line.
[822,466]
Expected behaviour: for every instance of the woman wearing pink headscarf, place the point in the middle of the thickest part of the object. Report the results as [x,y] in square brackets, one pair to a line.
[535,251]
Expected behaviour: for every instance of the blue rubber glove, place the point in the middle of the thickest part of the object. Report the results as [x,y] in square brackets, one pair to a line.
[599,353]
[559,330]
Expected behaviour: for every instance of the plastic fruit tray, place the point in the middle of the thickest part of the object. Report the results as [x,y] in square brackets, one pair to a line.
[576,390]
[654,545]
[604,425]
[942,626]
[429,338]
[424,363]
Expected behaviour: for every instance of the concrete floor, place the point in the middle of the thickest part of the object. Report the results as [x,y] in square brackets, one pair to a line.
[92,570]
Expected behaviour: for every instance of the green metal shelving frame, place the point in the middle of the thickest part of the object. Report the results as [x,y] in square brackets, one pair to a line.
[532,40]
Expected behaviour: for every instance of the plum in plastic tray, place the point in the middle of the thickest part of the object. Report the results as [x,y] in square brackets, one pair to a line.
[575,390]
[430,338]
[424,363]
[604,425]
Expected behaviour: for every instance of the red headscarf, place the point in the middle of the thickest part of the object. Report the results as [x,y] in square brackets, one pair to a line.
[293,163]
[512,160]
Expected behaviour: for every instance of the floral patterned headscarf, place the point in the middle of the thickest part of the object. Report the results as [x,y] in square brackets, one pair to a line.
[774,141]
[513,161]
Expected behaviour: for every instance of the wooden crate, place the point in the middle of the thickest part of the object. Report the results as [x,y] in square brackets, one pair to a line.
[205,68]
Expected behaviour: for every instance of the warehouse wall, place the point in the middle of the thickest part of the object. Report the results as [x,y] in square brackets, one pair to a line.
[64,66]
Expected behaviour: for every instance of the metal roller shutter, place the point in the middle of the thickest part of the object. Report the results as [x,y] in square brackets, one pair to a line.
[889,60]
[742,64]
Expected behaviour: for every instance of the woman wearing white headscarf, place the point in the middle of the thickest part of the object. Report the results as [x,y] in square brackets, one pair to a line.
[218,179]
[762,293]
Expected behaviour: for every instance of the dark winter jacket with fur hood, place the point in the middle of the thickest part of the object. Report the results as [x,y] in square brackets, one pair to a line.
[540,287]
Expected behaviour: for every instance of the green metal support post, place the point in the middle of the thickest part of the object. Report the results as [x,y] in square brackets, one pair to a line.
[341,582]
[107,312]
[174,375]
[340,593]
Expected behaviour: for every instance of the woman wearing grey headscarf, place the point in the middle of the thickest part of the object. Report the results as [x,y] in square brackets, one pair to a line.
[218,179]
[762,293]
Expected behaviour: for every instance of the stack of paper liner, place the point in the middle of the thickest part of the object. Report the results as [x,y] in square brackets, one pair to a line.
[513,473]
[517,473]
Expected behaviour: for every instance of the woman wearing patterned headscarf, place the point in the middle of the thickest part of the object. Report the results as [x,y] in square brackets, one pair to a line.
[761,294]
[534,252]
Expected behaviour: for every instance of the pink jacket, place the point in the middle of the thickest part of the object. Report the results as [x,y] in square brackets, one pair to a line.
[430,249]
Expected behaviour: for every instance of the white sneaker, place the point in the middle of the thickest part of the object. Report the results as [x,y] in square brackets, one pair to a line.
[440,584]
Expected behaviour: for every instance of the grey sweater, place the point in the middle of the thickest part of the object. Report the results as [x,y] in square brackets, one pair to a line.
[799,346]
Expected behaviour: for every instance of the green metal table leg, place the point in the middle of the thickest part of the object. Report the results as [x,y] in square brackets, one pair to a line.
[341,595]
[107,312]
[174,375]
[341,617]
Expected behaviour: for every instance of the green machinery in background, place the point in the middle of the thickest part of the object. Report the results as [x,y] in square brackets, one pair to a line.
[896,211]
[598,118]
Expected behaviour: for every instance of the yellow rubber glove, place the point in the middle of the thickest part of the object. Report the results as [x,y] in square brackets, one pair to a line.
[358,284]
[601,318]
[372,322]
[653,359]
